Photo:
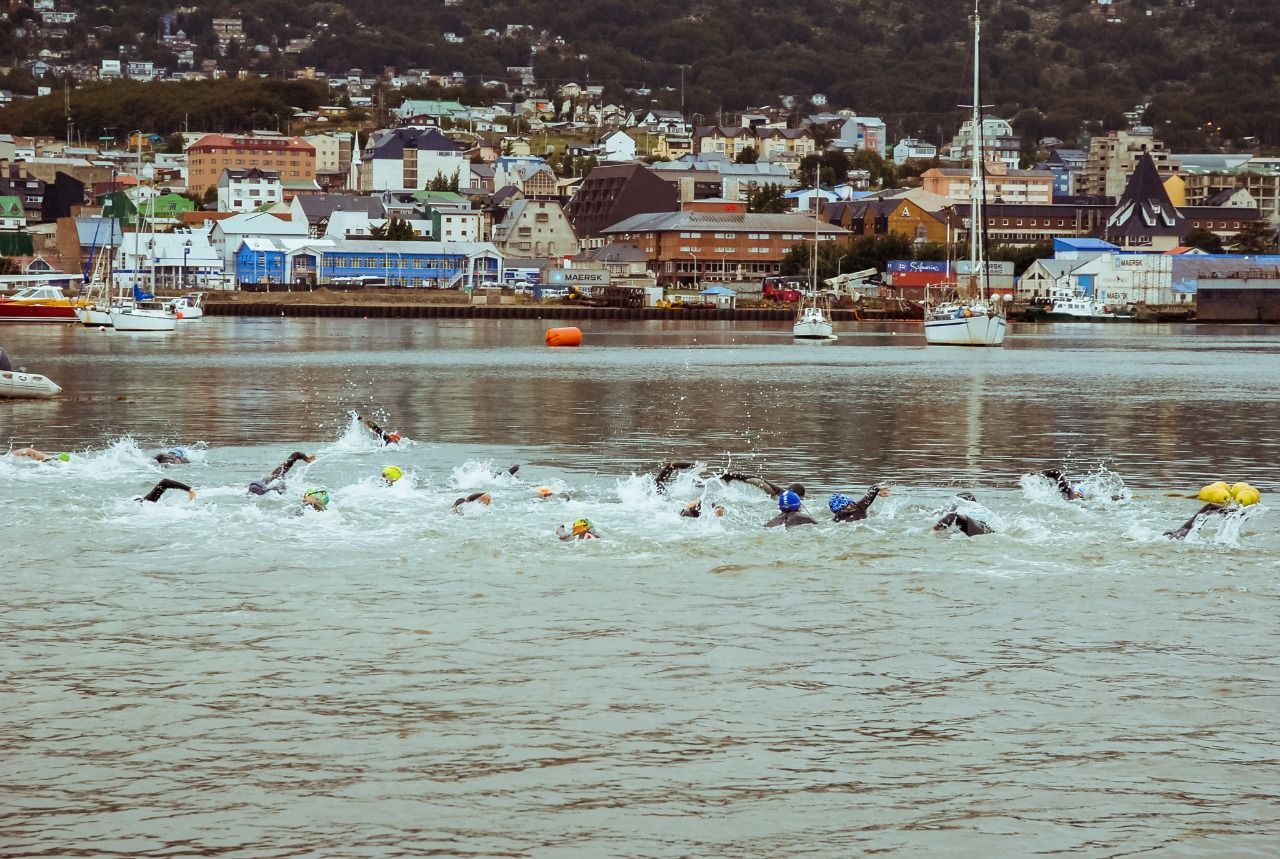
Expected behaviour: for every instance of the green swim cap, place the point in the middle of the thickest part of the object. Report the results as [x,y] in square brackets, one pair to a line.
[65,457]
[320,494]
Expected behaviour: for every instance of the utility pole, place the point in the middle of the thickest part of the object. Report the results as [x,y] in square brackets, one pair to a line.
[683,66]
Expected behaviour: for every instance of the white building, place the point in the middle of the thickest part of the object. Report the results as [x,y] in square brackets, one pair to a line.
[248,190]
[228,233]
[1120,279]
[410,159]
[911,149]
[618,146]
[998,142]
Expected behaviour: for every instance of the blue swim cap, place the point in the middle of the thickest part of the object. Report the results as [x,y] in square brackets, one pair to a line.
[1078,490]
[839,500]
[180,452]
[788,502]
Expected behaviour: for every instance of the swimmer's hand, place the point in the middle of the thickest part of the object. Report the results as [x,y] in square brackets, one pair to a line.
[191,495]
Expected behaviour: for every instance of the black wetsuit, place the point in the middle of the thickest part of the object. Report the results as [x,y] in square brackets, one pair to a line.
[510,471]
[167,458]
[967,525]
[383,434]
[660,482]
[161,487]
[857,511]
[283,468]
[769,486]
[1201,515]
[1068,491]
[472,497]
[791,519]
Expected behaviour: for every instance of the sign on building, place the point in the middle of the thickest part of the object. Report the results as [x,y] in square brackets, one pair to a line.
[578,277]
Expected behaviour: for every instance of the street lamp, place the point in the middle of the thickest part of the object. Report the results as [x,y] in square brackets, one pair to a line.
[186,252]
[695,267]
[840,264]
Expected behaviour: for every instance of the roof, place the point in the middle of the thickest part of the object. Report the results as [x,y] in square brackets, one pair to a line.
[1057,268]
[372,246]
[618,253]
[252,174]
[391,143]
[245,141]
[1145,207]
[260,223]
[317,207]
[99,231]
[722,221]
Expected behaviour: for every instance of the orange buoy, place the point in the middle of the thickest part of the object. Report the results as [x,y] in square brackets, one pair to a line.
[564,337]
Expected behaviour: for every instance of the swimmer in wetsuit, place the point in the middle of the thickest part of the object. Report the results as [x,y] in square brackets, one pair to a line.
[317,499]
[164,486]
[964,523]
[790,515]
[387,437]
[1202,515]
[274,482]
[666,473]
[1066,488]
[693,510]
[546,493]
[580,531]
[41,456]
[847,509]
[768,486]
[172,456]
[480,497]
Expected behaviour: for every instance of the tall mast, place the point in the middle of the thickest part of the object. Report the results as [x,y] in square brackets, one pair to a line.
[976,209]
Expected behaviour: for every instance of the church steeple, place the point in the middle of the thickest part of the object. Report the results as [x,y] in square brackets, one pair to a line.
[1145,213]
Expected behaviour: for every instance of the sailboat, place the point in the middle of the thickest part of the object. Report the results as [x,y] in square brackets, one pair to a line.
[96,292]
[813,313]
[972,317]
[140,311]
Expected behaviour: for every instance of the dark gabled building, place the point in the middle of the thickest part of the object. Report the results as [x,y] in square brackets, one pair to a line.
[1145,217]
[62,198]
[17,182]
[610,195]
[318,208]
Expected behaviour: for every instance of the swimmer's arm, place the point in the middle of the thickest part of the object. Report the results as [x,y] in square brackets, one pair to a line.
[283,468]
[164,485]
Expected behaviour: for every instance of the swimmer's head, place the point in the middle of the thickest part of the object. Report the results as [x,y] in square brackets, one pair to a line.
[393,437]
[392,473]
[318,497]
[258,488]
[179,452]
[581,526]
[797,488]
[967,496]
[838,501]
[544,491]
[789,502]
[486,499]
[1077,491]
[64,457]
[718,510]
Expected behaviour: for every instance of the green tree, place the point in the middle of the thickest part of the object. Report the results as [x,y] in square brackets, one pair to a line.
[767,199]
[1255,238]
[1022,256]
[853,254]
[443,183]
[749,155]
[394,230]
[1204,240]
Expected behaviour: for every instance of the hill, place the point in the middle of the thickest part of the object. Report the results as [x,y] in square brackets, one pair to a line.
[1060,67]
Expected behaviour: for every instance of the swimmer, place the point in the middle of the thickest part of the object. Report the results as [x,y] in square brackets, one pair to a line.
[507,472]
[1068,490]
[790,515]
[693,510]
[317,499]
[1201,516]
[172,456]
[387,437]
[164,486]
[478,497]
[665,474]
[846,509]
[391,474]
[274,481]
[581,530]
[546,493]
[964,523]
[41,456]
[768,486]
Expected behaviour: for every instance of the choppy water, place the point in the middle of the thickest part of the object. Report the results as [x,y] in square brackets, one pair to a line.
[228,677]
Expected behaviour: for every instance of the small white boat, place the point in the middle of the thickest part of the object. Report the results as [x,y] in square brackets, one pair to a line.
[958,323]
[813,319]
[188,308]
[143,316]
[1081,308]
[20,383]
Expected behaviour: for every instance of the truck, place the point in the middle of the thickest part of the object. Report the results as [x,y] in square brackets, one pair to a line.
[782,288]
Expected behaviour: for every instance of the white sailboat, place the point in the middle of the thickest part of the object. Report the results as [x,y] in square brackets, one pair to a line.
[137,310]
[813,312]
[973,317]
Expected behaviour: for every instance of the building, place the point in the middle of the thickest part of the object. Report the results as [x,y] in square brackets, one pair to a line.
[315,210]
[455,223]
[411,159]
[916,214]
[28,189]
[999,143]
[229,233]
[786,145]
[1002,185]
[618,146]
[1261,181]
[1112,159]
[535,229]
[333,151]
[911,149]
[291,157]
[1145,217]
[441,265]
[613,193]
[690,246]
[248,190]
[12,216]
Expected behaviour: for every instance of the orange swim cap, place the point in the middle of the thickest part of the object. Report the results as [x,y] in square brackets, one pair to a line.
[544,491]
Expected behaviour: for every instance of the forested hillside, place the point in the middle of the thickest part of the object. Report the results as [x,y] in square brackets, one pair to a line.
[1059,66]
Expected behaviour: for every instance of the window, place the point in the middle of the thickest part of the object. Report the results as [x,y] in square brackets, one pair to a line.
[691,235]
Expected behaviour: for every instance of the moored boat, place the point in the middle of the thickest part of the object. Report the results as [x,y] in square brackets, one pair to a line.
[813,318]
[38,304]
[1077,308]
[188,308]
[21,384]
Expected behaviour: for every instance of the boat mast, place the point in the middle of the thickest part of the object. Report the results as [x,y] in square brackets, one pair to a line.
[977,214]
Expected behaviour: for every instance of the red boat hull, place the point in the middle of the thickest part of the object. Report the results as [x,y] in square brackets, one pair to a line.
[10,312]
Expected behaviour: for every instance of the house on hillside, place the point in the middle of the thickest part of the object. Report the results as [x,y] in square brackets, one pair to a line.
[411,159]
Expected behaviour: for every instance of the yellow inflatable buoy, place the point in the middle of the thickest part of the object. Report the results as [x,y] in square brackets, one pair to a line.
[1215,493]
[1248,496]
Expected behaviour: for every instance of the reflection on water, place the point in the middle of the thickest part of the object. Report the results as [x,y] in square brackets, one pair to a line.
[230,677]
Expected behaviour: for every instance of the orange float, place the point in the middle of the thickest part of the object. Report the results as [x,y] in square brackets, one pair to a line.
[564,337]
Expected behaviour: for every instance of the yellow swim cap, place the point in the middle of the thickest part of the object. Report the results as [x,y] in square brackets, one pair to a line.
[1215,493]
[581,526]
[392,473]
[1247,496]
